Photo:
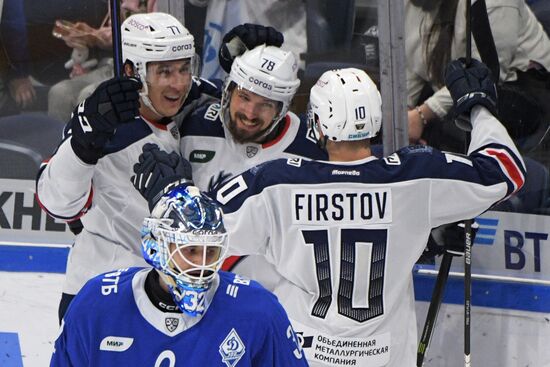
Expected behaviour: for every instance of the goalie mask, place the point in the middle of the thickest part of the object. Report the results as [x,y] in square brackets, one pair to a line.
[155,37]
[185,239]
[344,105]
[267,71]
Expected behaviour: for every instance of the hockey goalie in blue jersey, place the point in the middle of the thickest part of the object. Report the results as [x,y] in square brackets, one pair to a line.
[345,234]
[184,312]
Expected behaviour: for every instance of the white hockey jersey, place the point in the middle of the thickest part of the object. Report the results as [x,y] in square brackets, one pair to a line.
[215,157]
[103,198]
[345,236]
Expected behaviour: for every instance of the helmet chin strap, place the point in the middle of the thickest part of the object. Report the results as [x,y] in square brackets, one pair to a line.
[322,143]
[274,123]
[144,94]
[147,102]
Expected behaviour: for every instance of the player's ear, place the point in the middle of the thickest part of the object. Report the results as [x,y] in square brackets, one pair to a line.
[129,68]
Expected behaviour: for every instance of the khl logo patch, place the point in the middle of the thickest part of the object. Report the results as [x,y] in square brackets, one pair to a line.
[251,151]
[232,349]
[175,132]
[171,323]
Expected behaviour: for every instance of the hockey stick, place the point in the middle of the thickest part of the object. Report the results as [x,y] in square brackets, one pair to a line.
[468,223]
[444,268]
[433,310]
[467,289]
[114,7]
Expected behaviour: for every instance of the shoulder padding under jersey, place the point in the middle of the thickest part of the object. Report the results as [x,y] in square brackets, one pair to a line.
[252,298]
[488,166]
[304,144]
[201,86]
[204,121]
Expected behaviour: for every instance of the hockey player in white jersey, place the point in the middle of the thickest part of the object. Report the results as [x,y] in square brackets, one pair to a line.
[87,181]
[184,312]
[345,234]
[251,125]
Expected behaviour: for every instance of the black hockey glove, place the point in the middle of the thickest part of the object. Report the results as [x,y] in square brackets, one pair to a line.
[469,86]
[95,119]
[450,238]
[245,37]
[157,172]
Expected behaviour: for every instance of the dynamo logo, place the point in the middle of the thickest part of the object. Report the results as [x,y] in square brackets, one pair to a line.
[232,349]
[487,231]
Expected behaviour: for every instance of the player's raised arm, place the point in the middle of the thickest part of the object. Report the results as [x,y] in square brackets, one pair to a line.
[475,101]
[64,182]
[493,169]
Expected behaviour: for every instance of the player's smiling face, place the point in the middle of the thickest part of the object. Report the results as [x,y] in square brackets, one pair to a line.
[168,83]
[251,115]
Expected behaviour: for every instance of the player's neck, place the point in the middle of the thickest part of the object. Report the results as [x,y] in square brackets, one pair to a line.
[345,152]
[159,296]
[153,117]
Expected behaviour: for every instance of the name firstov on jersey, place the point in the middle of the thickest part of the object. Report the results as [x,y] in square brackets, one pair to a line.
[324,206]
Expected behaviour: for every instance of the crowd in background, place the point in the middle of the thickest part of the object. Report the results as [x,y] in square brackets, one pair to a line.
[53,57]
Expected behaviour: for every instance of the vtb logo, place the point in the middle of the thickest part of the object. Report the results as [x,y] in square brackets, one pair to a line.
[517,244]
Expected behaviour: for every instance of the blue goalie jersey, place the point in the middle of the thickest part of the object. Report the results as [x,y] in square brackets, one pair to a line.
[112,322]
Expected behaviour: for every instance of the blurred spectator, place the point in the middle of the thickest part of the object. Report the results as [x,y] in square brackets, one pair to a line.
[286,16]
[435,33]
[66,94]
[16,89]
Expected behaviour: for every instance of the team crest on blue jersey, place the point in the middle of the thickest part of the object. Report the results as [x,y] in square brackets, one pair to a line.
[251,151]
[232,349]
[171,323]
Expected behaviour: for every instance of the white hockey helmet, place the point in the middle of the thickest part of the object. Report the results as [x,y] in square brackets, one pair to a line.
[149,37]
[267,71]
[346,105]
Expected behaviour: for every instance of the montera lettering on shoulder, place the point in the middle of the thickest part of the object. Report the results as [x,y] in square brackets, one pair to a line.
[324,206]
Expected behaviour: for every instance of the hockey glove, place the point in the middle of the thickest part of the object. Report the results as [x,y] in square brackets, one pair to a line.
[451,238]
[469,86]
[245,37]
[95,119]
[158,171]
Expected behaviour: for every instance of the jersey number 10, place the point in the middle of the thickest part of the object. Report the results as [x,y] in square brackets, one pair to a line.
[371,273]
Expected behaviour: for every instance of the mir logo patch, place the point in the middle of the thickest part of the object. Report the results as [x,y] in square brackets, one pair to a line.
[232,349]
[115,343]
